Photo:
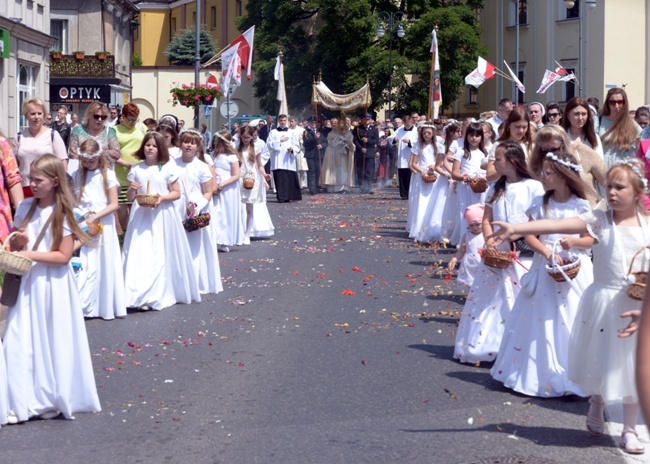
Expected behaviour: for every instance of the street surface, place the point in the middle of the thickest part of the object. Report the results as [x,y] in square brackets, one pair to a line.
[331,343]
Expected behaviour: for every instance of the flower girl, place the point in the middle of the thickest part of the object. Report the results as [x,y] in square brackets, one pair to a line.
[158,267]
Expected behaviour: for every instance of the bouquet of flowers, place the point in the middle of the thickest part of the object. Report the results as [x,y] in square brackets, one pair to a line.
[193,94]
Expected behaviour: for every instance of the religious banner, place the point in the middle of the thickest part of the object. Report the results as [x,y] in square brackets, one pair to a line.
[322,95]
[435,90]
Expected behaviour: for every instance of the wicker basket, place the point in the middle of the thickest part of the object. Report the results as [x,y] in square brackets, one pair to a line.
[637,280]
[11,262]
[478,184]
[496,258]
[570,269]
[249,180]
[429,177]
[146,199]
[196,223]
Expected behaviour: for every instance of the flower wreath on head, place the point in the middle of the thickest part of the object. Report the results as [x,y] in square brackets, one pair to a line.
[553,157]
[634,167]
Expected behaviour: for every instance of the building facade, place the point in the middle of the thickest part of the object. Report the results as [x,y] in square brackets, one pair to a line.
[605,42]
[91,26]
[24,68]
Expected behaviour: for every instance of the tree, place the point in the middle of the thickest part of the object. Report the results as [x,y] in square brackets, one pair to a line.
[337,38]
[181,49]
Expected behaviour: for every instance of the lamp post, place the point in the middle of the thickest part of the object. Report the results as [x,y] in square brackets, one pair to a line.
[591,4]
[395,28]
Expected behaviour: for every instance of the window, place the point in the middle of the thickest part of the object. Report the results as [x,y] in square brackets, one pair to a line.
[472,95]
[26,90]
[173,26]
[59,29]
[570,86]
[213,17]
[521,98]
[239,7]
[574,12]
[194,18]
[521,14]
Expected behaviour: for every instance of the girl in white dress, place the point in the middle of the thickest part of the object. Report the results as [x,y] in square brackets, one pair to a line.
[158,266]
[432,232]
[534,355]
[470,244]
[467,165]
[450,225]
[197,185]
[493,293]
[49,369]
[228,222]
[422,162]
[601,363]
[101,281]
[258,220]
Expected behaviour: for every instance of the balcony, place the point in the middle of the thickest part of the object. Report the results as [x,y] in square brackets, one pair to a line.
[88,67]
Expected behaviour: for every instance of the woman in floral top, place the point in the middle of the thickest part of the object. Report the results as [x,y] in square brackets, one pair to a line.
[95,127]
[9,187]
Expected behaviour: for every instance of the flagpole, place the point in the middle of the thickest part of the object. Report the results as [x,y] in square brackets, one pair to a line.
[197,59]
[516,99]
[431,102]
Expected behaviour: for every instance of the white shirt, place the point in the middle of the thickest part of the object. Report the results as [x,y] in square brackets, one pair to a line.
[496,122]
[281,158]
[403,149]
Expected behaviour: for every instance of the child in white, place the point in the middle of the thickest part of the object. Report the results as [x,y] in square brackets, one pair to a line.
[470,244]
[534,355]
[467,165]
[158,266]
[422,162]
[257,218]
[101,279]
[493,293]
[601,363]
[197,185]
[432,230]
[228,221]
[450,224]
[49,369]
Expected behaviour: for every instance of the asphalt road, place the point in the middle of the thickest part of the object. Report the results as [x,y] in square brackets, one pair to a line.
[331,343]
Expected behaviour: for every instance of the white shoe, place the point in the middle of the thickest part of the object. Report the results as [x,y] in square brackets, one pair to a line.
[12,419]
[224,248]
[247,240]
[49,414]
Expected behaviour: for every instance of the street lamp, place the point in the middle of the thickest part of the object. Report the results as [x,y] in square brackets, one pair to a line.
[591,4]
[393,21]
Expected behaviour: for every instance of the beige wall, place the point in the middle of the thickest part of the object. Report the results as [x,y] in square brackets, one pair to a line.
[151,87]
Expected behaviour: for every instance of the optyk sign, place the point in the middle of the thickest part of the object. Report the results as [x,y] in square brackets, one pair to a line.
[80,93]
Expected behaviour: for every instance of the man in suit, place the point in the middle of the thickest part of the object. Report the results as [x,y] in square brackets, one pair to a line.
[366,140]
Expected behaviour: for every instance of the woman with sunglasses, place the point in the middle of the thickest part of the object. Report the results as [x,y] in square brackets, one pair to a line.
[130,133]
[579,125]
[618,132]
[94,127]
[554,139]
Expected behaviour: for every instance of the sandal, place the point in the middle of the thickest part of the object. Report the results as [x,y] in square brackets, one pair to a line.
[596,418]
[630,442]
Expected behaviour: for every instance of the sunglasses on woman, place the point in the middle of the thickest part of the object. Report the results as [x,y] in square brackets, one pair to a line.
[100,116]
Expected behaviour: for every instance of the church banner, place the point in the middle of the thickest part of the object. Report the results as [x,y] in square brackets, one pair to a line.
[322,95]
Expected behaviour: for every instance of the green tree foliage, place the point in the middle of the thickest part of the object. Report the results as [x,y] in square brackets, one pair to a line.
[181,49]
[337,39]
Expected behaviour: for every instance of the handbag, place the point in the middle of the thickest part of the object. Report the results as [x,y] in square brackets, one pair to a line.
[11,282]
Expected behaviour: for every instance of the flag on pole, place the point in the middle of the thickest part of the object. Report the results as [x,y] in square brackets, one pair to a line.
[231,67]
[551,78]
[435,90]
[245,50]
[482,73]
[515,79]
[282,94]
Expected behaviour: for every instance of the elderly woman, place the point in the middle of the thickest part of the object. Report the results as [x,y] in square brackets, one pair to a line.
[553,138]
[35,141]
[130,133]
[96,128]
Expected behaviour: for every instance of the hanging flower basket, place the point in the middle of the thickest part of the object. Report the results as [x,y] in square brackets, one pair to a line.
[191,95]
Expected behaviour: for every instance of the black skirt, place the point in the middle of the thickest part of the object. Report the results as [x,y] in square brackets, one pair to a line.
[287,185]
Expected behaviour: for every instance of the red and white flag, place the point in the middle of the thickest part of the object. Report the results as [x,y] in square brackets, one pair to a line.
[517,82]
[245,50]
[551,78]
[482,73]
[231,67]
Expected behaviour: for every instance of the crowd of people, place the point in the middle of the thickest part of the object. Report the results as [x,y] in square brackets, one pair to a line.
[544,189]
[547,208]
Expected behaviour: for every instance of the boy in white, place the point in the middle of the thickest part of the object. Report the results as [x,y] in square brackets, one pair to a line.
[283,146]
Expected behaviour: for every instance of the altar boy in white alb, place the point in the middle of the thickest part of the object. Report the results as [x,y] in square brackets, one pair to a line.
[283,146]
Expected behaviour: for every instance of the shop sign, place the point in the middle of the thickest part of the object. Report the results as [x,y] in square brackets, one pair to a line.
[5,44]
[80,93]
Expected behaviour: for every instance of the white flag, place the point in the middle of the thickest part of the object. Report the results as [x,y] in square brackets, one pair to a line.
[278,74]
[483,72]
[515,79]
[231,67]
[551,78]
